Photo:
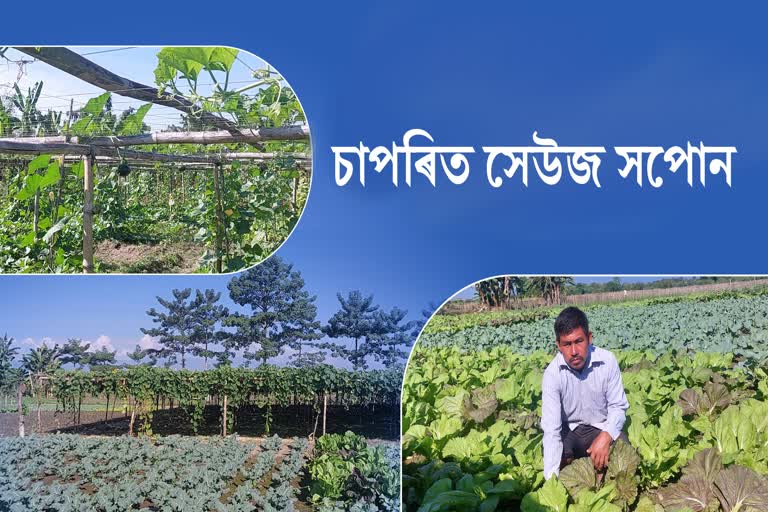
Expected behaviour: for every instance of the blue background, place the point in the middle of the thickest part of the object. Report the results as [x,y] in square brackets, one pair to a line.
[484,75]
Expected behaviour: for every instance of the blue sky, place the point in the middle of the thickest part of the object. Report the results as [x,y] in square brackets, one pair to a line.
[110,310]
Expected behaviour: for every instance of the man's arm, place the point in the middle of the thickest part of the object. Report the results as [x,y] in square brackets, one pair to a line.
[617,405]
[551,424]
[616,400]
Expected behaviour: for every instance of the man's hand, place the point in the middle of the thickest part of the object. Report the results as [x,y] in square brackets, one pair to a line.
[599,450]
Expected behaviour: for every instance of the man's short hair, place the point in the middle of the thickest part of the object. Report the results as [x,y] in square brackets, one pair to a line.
[569,319]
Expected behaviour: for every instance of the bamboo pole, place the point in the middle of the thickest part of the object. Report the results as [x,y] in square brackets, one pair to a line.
[88,216]
[90,72]
[224,423]
[20,405]
[219,218]
[325,409]
[244,136]
[295,194]
[36,213]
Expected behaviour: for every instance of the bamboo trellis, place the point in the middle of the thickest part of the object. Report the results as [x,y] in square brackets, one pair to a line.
[105,149]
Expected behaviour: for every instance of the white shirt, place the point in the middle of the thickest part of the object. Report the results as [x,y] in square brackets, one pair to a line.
[593,396]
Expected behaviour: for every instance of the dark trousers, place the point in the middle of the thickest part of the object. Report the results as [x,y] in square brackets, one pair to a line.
[577,441]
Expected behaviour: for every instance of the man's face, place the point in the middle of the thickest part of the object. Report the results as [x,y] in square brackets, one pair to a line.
[574,347]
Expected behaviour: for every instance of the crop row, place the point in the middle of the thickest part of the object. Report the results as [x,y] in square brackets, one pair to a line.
[729,324]
[472,439]
[72,473]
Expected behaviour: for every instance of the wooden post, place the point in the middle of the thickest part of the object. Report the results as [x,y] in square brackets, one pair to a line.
[20,405]
[88,215]
[224,422]
[36,213]
[133,416]
[325,409]
[219,219]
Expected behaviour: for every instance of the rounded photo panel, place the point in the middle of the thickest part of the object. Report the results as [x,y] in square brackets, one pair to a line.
[155,160]
[610,393]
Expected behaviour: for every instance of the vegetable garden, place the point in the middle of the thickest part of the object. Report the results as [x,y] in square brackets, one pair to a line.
[330,472]
[73,473]
[695,370]
[92,189]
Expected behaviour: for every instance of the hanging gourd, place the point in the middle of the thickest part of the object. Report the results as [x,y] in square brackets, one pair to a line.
[123,169]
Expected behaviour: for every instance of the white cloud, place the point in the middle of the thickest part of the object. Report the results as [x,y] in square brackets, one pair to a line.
[103,341]
[148,341]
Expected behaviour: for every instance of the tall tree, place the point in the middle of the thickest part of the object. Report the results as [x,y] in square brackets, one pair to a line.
[394,333]
[358,319]
[138,355]
[550,288]
[206,315]
[101,358]
[75,352]
[176,330]
[500,291]
[283,313]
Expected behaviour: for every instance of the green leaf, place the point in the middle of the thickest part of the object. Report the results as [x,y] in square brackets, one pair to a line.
[507,390]
[78,169]
[39,162]
[55,229]
[439,487]
[188,61]
[132,124]
[31,186]
[458,448]
[96,105]
[28,239]
[489,504]
[52,176]
[551,497]
[445,426]
[222,58]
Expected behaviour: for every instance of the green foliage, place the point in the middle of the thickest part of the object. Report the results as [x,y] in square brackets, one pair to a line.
[345,470]
[266,386]
[375,333]
[283,312]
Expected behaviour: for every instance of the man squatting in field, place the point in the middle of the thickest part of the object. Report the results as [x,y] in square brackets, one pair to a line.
[583,400]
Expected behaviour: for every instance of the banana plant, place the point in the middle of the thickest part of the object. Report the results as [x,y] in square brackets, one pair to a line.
[27,106]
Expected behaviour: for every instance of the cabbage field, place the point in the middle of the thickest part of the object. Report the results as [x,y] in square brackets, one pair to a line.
[695,373]
[74,473]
